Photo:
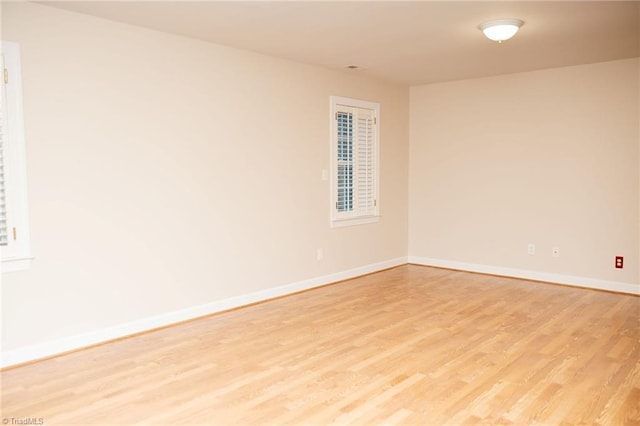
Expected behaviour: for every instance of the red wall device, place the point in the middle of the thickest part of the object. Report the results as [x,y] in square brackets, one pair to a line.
[619,262]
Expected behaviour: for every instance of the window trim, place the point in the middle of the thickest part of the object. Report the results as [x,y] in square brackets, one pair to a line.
[17,255]
[341,220]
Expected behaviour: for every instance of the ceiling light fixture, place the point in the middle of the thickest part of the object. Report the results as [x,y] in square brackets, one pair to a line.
[501,29]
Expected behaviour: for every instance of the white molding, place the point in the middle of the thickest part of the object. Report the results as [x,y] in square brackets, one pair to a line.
[362,220]
[55,347]
[14,152]
[530,275]
[59,346]
[17,264]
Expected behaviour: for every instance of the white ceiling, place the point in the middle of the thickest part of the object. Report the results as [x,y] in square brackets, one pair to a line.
[409,43]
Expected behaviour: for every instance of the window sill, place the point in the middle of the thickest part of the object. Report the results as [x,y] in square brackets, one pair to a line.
[339,223]
[16,264]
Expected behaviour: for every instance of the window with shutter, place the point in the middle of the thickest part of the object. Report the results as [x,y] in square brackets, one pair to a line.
[4,231]
[14,231]
[354,156]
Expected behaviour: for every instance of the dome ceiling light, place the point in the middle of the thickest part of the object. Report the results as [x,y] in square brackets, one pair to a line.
[501,29]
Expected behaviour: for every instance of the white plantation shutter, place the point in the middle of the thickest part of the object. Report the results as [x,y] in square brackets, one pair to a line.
[345,161]
[365,163]
[4,232]
[354,161]
[14,229]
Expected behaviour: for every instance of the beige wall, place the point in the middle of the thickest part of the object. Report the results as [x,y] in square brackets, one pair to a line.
[166,173]
[547,157]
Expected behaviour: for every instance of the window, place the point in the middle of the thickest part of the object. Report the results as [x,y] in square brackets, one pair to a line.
[14,232]
[354,161]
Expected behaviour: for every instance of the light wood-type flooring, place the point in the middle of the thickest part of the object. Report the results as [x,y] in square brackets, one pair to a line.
[411,345]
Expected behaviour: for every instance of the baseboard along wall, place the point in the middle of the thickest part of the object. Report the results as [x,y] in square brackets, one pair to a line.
[547,277]
[55,347]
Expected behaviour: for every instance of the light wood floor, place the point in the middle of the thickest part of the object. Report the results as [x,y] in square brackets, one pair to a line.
[411,345]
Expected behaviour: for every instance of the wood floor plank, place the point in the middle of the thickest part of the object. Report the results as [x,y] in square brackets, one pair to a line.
[410,345]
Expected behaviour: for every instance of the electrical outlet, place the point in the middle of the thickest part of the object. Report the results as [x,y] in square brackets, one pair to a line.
[619,262]
[531,249]
[320,254]
[555,252]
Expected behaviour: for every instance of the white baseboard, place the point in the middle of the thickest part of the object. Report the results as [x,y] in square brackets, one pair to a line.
[530,275]
[54,347]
